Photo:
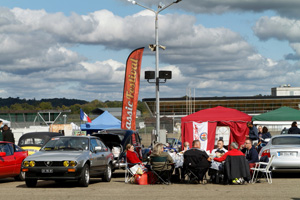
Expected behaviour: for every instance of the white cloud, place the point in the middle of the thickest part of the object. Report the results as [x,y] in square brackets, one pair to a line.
[288,8]
[36,61]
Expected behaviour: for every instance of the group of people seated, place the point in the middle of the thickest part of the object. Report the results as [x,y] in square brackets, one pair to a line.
[198,162]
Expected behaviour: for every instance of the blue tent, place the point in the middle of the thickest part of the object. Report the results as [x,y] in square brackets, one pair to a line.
[103,121]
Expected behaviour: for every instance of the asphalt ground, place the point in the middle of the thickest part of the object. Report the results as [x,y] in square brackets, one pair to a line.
[284,186]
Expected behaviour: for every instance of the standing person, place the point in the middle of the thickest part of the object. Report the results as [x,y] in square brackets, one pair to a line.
[253,132]
[7,134]
[294,129]
[251,154]
[1,136]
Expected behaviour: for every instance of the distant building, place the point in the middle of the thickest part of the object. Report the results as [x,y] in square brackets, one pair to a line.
[252,105]
[285,90]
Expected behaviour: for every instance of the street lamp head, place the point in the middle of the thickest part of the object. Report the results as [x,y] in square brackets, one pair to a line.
[133,2]
[177,1]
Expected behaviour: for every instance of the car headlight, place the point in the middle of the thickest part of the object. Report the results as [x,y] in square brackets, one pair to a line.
[32,163]
[66,163]
[26,163]
[73,163]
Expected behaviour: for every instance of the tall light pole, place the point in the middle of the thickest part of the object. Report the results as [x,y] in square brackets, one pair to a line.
[155,47]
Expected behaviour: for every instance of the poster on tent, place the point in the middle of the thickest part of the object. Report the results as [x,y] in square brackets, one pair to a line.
[200,131]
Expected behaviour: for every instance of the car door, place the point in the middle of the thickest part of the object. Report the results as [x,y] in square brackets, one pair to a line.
[96,158]
[19,156]
[8,162]
[104,154]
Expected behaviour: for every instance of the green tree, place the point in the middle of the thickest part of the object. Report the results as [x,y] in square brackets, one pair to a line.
[75,109]
[45,106]
[16,106]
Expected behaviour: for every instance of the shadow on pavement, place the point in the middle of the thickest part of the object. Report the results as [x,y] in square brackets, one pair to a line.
[63,184]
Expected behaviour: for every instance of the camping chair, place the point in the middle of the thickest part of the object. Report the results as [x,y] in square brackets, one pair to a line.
[236,167]
[195,167]
[263,167]
[130,171]
[160,175]
[192,174]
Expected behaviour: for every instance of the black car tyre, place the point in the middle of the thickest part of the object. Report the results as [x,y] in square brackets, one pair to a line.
[107,173]
[20,177]
[85,176]
[31,182]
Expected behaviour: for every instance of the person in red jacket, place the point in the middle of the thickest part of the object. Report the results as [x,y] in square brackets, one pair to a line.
[233,152]
[132,157]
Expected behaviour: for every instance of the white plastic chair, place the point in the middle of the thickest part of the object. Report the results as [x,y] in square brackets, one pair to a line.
[263,167]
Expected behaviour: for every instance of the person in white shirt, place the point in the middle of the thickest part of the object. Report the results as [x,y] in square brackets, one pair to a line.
[220,148]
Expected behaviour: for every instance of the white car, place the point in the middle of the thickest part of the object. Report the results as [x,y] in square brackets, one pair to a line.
[286,151]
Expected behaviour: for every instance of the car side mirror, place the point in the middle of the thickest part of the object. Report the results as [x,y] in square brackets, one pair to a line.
[2,154]
[98,148]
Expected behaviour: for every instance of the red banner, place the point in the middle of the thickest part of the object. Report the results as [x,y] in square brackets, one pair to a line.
[131,89]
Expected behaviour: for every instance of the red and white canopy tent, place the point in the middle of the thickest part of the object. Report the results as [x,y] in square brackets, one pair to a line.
[217,116]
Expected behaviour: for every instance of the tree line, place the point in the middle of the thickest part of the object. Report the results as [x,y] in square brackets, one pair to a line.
[74,105]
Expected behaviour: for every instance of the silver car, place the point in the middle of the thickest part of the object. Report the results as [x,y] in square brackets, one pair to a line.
[69,158]
[286,149]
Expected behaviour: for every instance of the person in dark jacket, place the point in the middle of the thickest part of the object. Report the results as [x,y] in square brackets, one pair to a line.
[294,129]
[196,160]
[253,132]
[266,133]
[251,154]
[7,134]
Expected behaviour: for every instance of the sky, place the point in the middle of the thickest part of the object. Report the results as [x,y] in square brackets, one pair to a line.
[78,49]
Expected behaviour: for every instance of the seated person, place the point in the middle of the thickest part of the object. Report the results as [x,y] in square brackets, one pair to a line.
[233,152]
[220,150]
[266,133]
[196,160]
[250,153]
[132,157]
[165,168]
[186,146]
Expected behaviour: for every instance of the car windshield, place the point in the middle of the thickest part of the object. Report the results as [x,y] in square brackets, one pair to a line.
[286,141]
[67,143]
[32,141]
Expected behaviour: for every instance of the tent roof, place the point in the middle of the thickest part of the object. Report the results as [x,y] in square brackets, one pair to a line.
[218,113]
[280,114]
[103,121]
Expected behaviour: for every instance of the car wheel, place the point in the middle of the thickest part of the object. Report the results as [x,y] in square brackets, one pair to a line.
[31,182]
[20,177]
[107,173]
[85,176]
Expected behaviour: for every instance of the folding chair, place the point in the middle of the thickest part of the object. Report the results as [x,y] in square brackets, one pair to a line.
[130,171]
[161,175]
[263,167]
[192,175]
